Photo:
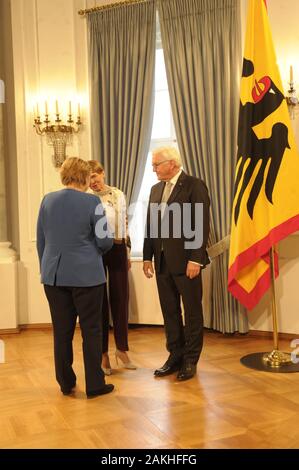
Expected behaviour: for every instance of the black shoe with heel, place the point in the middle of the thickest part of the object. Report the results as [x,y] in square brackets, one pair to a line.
[170,366]
[107,388]
[187,371]
[68,391]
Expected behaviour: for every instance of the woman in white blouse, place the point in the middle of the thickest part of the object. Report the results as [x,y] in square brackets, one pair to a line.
[117,263]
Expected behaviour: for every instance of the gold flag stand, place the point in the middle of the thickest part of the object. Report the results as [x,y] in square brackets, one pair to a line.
[276,360]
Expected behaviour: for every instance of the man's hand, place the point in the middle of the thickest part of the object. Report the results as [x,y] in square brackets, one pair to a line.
[148,269]
[129,264]
[192,270]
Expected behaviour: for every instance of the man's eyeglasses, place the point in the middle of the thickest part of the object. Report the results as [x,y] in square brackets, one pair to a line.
[155,165]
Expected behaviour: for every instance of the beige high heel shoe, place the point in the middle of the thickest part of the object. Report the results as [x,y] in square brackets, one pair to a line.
[107,371]
[122,356]
[106,367]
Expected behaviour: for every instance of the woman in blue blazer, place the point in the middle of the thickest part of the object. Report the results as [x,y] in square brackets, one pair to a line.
[72,236]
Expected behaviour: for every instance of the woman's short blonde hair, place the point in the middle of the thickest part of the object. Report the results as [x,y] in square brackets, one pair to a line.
[169,153]
[95,166]
[74,171]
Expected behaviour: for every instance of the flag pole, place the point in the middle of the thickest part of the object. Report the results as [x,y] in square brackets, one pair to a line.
[275,358]
[273,298]
[274,361]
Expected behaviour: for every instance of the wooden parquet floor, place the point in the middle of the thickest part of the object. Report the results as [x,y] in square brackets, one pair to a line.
[225,406]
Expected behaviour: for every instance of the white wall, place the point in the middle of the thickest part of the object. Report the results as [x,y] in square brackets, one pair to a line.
[3,226]
[50,60]
[9,228]
[284,26]
[49,55]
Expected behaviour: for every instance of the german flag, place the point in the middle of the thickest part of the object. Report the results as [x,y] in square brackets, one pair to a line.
[266,193]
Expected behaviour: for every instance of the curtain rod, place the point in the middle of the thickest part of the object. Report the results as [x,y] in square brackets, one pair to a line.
[111,5]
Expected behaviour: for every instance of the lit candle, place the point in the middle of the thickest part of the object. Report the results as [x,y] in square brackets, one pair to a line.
[291,74]
[78,109]
[37,110]
[70,108]
[46,108]
[57,109]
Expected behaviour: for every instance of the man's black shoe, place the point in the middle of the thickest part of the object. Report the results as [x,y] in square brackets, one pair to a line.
[167,369]
[187,371]
[107,388]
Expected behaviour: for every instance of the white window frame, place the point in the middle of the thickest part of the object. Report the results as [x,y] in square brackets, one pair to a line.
[139,225]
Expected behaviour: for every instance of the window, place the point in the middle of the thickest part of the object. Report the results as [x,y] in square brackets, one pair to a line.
[163,134]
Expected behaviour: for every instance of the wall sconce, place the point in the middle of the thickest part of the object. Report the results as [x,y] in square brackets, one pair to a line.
[292,100]
[58,135]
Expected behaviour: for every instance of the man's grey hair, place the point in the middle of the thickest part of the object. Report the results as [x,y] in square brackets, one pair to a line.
[169,153]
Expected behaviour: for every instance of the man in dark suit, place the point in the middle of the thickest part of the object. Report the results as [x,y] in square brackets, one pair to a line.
[177,232]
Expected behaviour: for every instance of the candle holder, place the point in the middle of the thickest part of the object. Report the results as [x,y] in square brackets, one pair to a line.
[58,135]
[2,92]
[292,100]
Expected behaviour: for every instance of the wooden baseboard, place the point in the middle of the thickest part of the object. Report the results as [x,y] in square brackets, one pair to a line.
[269,334]
[48,326]
[10,331]
[36,326]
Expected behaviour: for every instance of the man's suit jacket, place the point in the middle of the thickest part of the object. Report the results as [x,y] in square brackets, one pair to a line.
[68,249]
[188,189]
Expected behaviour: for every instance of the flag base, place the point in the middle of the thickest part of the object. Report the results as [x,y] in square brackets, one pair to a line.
[275,361]
[277,358]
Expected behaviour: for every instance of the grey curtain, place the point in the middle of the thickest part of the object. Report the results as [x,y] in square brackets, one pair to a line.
[201,41]
[121,61]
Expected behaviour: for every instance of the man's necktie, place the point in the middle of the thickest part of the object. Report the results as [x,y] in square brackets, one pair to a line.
[167,191]
[165,196]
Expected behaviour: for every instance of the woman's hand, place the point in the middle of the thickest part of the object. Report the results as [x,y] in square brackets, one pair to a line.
[148,269]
